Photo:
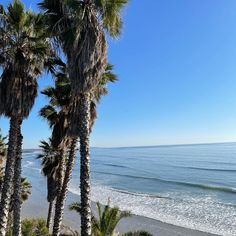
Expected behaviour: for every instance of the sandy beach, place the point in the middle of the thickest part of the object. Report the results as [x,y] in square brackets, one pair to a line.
[37,205]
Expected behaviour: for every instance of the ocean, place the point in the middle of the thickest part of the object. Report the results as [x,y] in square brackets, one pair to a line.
[193,186]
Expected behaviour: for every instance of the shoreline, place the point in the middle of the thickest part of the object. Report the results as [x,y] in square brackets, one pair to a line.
[38,209]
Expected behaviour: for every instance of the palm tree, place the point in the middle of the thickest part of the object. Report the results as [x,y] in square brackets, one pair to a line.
[79,27]
[100,90]
[56,113]
[24,50]
[107,221]
[50,164]
[25,193]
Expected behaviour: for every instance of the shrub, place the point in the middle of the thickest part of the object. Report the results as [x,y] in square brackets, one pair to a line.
[34,227]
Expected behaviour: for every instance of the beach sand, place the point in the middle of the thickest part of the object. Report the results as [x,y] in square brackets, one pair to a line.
[37,206]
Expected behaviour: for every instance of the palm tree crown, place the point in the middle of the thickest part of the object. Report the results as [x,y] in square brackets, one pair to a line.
[24,52]
[80,28]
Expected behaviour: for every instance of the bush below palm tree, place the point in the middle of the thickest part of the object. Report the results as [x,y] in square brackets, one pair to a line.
[107,221]
[34,227]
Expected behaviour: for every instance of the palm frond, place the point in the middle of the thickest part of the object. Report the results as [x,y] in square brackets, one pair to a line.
[110,11]
[25,189]
[50,114]
[75,206]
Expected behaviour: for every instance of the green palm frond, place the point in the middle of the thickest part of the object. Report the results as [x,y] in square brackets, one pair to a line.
[54,63]
[50,158]
[49,92]
[25,189]
[107,221]
[107,77]
[75,206]
[50,114]
[110,11]
[16,13]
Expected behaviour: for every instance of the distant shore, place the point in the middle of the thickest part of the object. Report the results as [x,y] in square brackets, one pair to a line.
[37,205]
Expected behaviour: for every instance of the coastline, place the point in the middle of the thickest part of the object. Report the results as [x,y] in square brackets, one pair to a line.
[37,205]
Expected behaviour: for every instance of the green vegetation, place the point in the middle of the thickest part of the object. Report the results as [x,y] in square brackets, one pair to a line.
[107,221]
[34,227]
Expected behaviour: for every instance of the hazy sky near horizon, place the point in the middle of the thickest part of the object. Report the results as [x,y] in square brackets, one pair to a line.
[176,63]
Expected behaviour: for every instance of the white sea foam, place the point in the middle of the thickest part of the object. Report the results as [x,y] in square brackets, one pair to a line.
[30,165]
[205,214]
[31,154]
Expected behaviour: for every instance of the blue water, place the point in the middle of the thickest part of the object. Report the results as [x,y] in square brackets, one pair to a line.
[187,185]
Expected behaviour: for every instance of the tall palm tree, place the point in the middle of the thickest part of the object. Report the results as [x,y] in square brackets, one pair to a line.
[107,221]
[101,89]
[24,50]
[25,193]
[79,27]
[50,166]
[56,113]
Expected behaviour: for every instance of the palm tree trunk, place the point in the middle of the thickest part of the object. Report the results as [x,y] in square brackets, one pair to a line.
[17,188]
[9,172]
[85,187]
[61,171]
[60,202]
[10,223]
[49,219]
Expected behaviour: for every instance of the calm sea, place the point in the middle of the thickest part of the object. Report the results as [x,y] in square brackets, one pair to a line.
[187,185]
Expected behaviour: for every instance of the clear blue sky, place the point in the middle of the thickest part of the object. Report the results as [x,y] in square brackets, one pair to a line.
[176,62]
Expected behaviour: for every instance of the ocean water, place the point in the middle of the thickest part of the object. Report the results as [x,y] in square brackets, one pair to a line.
[192,186]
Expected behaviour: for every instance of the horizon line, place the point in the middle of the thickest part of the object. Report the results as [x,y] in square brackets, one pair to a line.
[153,146]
